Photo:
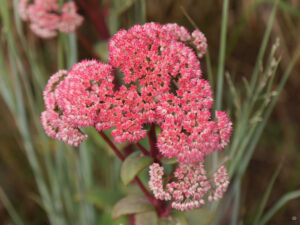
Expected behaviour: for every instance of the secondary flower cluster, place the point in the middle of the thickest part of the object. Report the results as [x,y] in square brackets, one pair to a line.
[73,100]
[46,17]
[161,85]
[190,185]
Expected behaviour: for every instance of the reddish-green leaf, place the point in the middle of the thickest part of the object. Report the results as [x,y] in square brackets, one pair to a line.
[131,204]
[133,165]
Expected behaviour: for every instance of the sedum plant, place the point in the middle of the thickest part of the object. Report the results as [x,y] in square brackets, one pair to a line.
[161,87]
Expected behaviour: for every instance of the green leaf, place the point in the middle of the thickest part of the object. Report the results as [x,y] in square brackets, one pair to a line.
[146,218]
[169,161]
[133,165]
[199,217]
[164,221]
[102,198]
[176,218]
[131,204]
[105,218]
[179,218]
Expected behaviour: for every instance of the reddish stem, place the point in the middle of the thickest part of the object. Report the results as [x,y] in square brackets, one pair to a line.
[131,219]
[151,199]
[153,142]
[87,45]
[97,17]
[113,147]
[106,7]
[166,211]
[143,150]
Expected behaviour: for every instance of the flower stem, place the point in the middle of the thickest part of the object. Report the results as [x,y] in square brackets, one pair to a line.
[87,45]
[153,142]
[150,198]
[166,211]
[97,17]
[131,219]
[113,146]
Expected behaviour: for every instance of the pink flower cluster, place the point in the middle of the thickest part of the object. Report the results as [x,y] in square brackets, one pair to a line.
[190,187]
[162,85]
[46,17]
[74,99]
[55,123]
[163,74]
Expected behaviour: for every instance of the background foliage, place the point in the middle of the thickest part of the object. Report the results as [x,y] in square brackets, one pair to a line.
[46,182]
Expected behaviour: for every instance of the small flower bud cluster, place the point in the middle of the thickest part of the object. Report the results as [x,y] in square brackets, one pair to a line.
[190,187]
[47,18]
[156,173]
[221,181]
[199,41]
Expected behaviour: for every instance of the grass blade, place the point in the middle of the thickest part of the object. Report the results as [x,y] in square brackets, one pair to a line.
[263,47]
[278,205]
[266,195]
[220,75]
[17,220]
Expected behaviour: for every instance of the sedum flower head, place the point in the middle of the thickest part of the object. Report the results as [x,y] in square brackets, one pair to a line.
[163,84]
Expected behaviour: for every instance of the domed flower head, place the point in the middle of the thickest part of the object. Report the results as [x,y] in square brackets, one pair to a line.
[160,66]
[155,62]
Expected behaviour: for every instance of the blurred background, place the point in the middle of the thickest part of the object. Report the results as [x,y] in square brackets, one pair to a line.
[247,22]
